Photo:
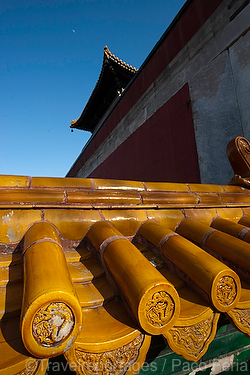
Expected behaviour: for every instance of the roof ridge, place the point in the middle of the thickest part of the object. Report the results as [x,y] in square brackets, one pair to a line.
[109,55]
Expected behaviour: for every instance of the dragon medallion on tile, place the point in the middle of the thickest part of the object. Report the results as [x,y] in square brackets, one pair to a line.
[226,290]
[192,339]
[52,324]
[115,362]
[159,309]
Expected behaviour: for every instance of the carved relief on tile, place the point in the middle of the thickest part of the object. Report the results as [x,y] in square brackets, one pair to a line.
[159,309]
[190,341]
[226,290]
[241,318]
[52,324]
[115,362]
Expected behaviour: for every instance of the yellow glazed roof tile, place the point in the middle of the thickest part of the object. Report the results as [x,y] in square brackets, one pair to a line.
[245,220]
[168,198]
[94,294]
[171,277]
[12,358]
[133,356]
[229,227]
[9,329]
[198,268]
[205,329]
[196,316]
[72,224]
[52,182]
[15,359]
[198,188]
[246,211]
[209,198]
[77,254]
[168,218]
[235,189]
[140,246]
[240,313]
[14,223]
[102,184]
[154,260]
[113,194]
[23,196]
[204,215]
[235,198]
[126,221]
[103,197]
[9,274]
[40,231]
[192,307]
[244,301]
[233,213]
[109,327]
[10,300]
[79,273]
[51,312]
[96,270]
[7,259]
[166,186]
[108,263]
[14,181]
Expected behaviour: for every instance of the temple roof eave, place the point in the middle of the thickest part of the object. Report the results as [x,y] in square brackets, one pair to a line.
[100,229]
[114,77]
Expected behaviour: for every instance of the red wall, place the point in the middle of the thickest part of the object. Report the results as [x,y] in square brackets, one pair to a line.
[188,23]
[162,149]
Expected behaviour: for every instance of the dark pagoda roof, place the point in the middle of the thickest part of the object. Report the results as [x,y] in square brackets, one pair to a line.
[114,77]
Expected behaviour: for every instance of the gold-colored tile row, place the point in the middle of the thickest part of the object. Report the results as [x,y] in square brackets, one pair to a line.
[14,181]
[96,199]
[197,320]
[23,196]
[205,271]
[93,289]
[116,198]
[229,247]
[106,197]
[138,281]
[73,224]
[169,198]
[229,240]
[9,181]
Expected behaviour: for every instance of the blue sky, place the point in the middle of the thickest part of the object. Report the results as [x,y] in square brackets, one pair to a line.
[51,58]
